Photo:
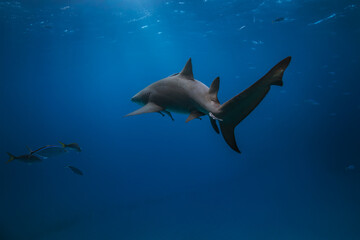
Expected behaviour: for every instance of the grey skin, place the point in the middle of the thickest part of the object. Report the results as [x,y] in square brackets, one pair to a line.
[27,158]
[181,93]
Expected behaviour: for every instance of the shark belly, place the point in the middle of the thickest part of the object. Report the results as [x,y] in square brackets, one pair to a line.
[173,97]
[174,101]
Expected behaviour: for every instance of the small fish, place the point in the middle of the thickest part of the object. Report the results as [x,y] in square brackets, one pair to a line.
[49,151]
[242,27]
[322,20]
[64,8]
[75,170]
[71,146]
[28,158]
[280,19]
[257,42]
[350,167]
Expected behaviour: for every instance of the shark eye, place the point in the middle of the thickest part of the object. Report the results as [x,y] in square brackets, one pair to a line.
[146,96]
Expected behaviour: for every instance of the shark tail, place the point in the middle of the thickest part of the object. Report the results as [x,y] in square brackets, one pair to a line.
[232,112]
[12,157]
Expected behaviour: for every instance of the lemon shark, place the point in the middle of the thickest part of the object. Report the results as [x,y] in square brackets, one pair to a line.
[181,93]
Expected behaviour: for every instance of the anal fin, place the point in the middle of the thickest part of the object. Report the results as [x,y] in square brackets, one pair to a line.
[214,125]
[147,108]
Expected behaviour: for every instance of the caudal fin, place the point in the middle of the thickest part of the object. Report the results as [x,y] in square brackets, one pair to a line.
[275,75]
[12,157]
[236,109]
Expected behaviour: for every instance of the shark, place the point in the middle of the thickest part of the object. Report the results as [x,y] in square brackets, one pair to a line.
[182,93]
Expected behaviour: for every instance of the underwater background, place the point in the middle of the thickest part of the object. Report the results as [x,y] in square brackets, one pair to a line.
[68,70]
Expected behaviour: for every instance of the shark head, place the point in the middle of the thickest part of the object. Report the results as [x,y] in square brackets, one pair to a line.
[141,97]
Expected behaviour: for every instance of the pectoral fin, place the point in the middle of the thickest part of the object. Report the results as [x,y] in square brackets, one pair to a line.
[148,108]
[193,115]
[41,157]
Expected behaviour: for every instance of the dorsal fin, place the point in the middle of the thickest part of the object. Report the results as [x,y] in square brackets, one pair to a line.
[187,71]
[214,89]
[62,144]
[29,149]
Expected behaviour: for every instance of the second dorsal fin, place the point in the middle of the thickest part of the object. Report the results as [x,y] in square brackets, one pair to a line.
[187,71]
[214,89]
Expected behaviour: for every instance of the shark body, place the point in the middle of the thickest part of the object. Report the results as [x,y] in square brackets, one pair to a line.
[182,93]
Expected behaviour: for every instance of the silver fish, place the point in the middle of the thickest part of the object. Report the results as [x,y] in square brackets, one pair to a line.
[28,158]
[49,151]
[76,170]
[71,146]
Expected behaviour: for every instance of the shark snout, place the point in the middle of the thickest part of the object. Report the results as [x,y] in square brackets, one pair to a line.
[135,98]
[140,98]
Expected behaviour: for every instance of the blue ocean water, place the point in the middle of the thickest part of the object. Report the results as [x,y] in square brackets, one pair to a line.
[68,70]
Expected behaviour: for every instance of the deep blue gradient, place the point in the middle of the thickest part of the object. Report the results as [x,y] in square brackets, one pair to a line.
[68,74]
